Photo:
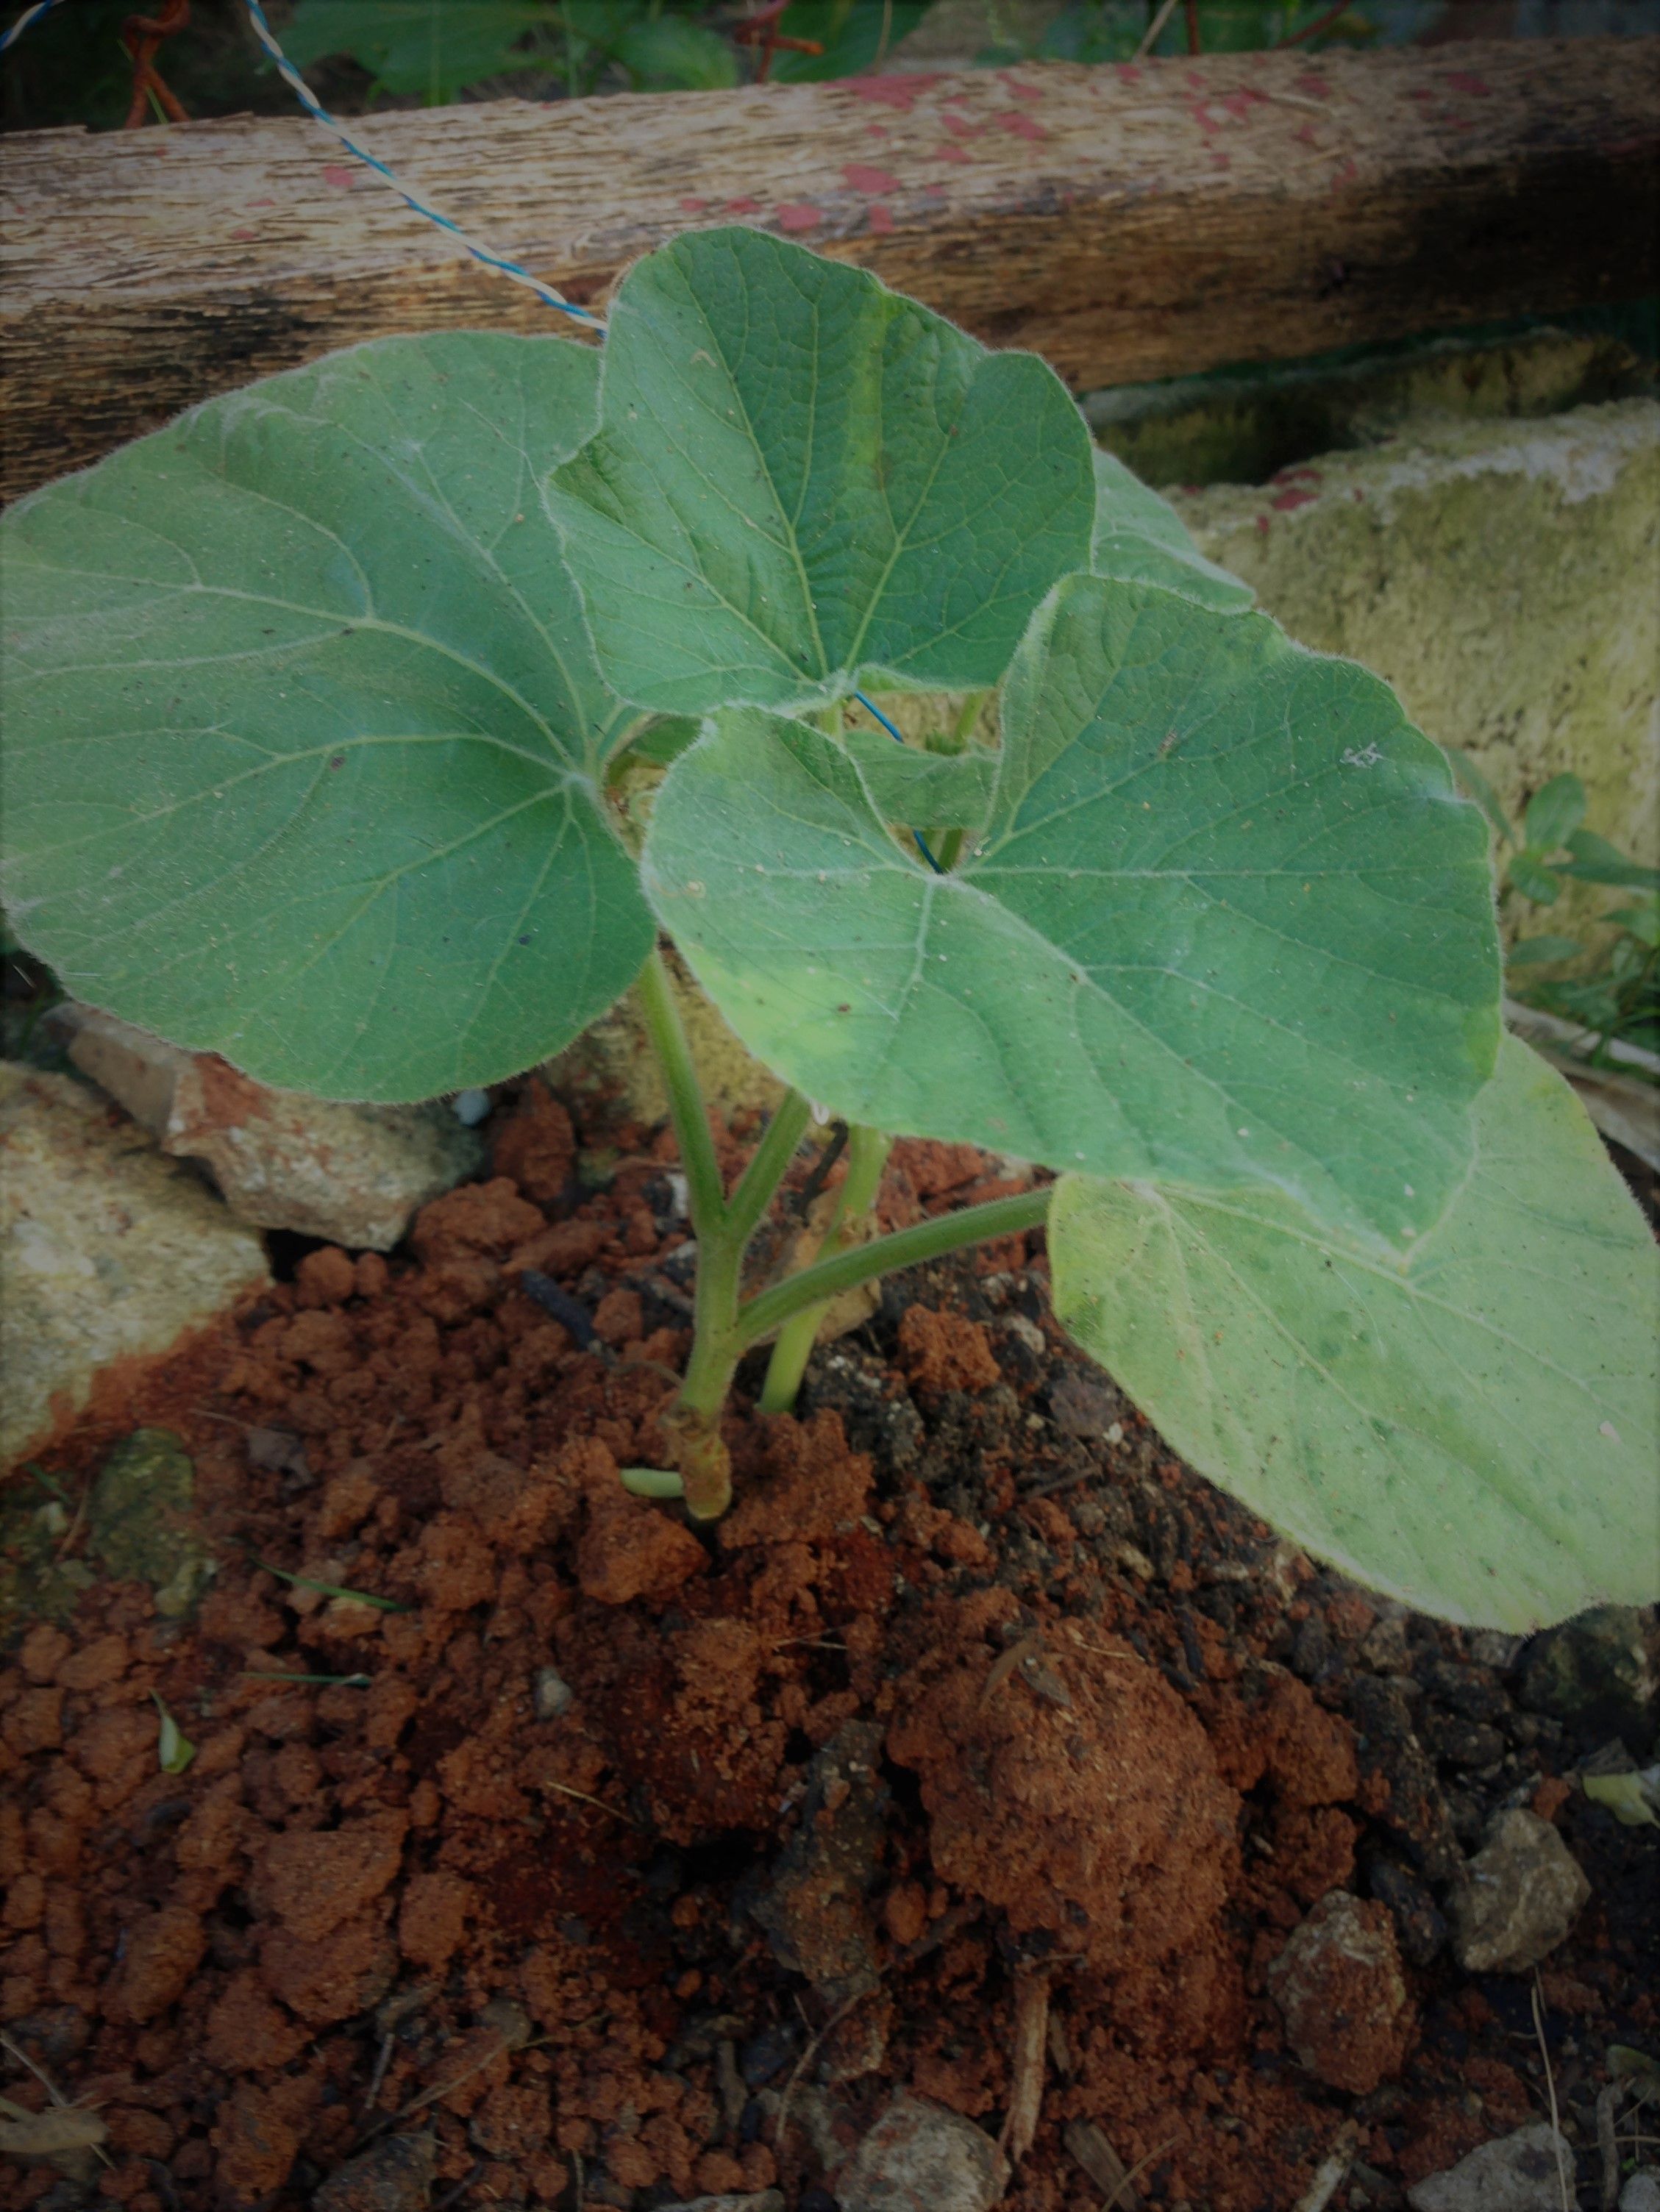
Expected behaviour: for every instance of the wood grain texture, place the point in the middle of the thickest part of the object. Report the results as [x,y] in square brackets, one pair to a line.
[1126,222]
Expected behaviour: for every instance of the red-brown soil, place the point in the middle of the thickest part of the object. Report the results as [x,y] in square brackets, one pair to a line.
[611,1818]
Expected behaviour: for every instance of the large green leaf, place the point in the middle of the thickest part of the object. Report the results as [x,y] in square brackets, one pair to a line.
[803,482]
[305,732]
[1140,538]
[1475,1433]
[1228,922]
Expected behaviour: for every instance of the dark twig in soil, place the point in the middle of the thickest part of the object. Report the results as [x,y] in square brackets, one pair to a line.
[453,2196]
[1118,2201]
[1324,2185]
[1550,2086]
[1608,2144]
[382,2060]
[810,2051]
[1032,2016]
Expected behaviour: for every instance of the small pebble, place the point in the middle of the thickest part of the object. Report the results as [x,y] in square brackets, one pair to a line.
[551,1694]
[469,1107]
[1641,2192]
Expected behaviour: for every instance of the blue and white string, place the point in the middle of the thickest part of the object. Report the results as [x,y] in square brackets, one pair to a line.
[302,92]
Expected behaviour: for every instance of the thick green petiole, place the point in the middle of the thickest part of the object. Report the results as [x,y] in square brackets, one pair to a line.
[867,1155]
[905,1248]
[724,1326]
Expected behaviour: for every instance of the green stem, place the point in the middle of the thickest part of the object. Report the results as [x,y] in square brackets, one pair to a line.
[969,715]
[867,1155]
[767,1166]
[906,1248]
[706,1195]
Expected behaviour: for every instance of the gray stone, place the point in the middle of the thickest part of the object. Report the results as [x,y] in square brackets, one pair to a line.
[1595,1672]
[1341,1993]
[394,2175]
[551,1694]
[351,1175]
[107,1252]
[765,2200]
[1642,2191]
[921,2157]
[1501,574]
[138,1519]
[1518,1898]
[1522,2173]
[816,1908]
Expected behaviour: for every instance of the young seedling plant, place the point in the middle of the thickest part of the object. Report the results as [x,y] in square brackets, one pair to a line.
[317,703]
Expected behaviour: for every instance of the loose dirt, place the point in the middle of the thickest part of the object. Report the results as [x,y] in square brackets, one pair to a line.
[574,1857]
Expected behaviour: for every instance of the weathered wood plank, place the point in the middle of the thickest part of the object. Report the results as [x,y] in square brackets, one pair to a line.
[1126,222]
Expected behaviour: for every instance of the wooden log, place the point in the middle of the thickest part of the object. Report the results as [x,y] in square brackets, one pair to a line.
[1125,221]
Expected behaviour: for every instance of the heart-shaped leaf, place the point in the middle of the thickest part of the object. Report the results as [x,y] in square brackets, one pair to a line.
[1140,539]
[1228,922]
[306,735]
[1474,1433]
[803,482]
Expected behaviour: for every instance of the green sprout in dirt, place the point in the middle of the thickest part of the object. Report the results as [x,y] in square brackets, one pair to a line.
[318,701]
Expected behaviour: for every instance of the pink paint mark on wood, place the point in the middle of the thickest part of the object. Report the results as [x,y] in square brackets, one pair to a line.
[742,207]
[1022,125]
[1241,103]
[1129,72]
[1464,81]
[244,234]
[796,214]
[693,206]
[1261,525]
[1287,502]
[338,175]
[1303,134]
[1458,122]
[876,130]
[950,153]
[1345,172]
[1018,88]
[1207,122]
[1218,160]
[959,126]
[1314,87]
[879,219]
[900,92]
[1304,472]
[260,204]
[863,178]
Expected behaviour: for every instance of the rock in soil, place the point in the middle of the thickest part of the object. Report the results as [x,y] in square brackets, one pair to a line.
[109,1254]
[1597,1674]
[1338,1983]
[1518,1898]
[920,2157]
[766,2200]
[816,1910]
[1522,2173]
[1641,2192]
[394,2175]
[351,1175]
